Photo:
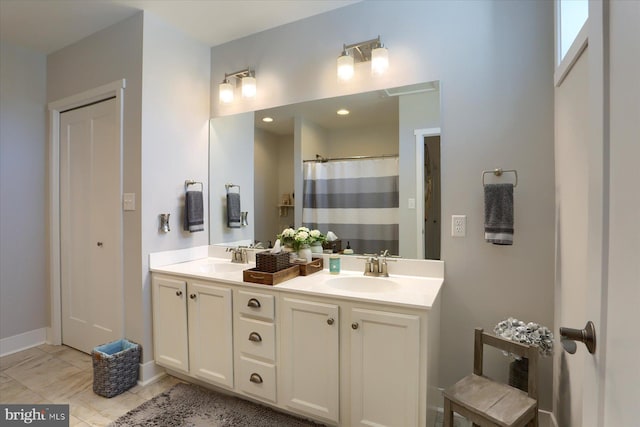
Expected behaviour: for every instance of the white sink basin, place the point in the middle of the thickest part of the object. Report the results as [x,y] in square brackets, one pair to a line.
[222,267]
[362,284]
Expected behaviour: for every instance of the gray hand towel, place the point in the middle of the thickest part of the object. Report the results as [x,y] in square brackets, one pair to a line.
[194,211]
[498,214]
[233,210]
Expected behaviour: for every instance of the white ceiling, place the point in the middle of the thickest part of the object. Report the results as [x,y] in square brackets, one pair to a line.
[49,25]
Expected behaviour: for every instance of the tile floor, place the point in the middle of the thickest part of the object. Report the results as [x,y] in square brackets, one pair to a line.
[60,374]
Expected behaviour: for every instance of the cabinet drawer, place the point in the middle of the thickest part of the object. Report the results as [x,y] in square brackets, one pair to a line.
[257,378]
[256,338]
[255,304]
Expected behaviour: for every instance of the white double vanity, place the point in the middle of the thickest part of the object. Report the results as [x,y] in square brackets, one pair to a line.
[344,349]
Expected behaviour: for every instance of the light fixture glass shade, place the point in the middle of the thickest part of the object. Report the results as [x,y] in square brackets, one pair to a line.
[248,87]
[225,92]
[379,60]
[345,67]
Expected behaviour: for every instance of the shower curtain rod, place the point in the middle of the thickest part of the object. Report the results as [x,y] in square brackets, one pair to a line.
[321,159]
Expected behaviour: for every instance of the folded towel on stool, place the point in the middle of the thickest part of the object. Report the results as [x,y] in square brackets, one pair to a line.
[194,211]
[498,214]
[233,210]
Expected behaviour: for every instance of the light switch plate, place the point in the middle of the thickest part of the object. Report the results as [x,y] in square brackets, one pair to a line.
[129,201]
[411,204]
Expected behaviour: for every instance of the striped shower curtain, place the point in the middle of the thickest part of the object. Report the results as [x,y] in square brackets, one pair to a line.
[356,199]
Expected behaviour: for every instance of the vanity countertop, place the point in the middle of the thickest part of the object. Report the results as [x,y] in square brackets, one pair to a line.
[400,290]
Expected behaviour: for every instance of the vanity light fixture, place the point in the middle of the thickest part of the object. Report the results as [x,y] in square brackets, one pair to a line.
[371,50]
[247,81]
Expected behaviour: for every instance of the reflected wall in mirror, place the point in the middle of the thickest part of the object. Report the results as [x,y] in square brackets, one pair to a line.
[360,175]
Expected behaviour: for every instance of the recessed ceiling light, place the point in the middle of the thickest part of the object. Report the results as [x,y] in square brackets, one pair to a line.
[267,119]
[342,112]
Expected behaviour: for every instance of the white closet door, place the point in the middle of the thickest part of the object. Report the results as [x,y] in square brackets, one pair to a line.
[91,226]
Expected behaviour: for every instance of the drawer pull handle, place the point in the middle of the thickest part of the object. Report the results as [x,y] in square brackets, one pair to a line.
[255,337]
[253,303]
[354,325]
[255,378]
[179,293]
[330,321]
[193,296]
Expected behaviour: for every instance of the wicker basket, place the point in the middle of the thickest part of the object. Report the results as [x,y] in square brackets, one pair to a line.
[271,263]
[115,367]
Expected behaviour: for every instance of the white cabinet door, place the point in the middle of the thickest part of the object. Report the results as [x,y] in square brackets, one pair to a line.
[385,355]
[211,333]
[170,340]
[310,357]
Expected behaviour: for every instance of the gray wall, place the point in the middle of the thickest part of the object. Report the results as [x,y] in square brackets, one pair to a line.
[23,242]
[106,56]
[166,111]
[494,60]
[175,140]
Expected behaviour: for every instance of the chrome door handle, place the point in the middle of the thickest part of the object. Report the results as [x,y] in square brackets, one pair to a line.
[255,337]
[568,337]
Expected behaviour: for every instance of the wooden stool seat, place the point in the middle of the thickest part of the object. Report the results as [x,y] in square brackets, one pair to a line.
[501,404]
[489,403]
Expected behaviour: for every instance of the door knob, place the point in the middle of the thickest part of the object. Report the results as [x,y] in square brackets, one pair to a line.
[193,296]
[568,337]
[355,325]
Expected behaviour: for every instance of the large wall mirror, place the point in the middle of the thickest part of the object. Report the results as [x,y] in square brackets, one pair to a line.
[365,166]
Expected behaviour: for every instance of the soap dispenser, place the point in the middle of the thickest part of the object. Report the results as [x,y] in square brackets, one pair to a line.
[348,250]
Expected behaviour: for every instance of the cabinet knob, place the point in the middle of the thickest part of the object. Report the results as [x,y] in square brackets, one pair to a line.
[253,303]
[355,325]
[179,293]
[193,296]
[100,244]
[255,378]
[330,321]
[255,337]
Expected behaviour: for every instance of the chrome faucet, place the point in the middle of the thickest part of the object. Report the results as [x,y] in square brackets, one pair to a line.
[238,255]
[376,265]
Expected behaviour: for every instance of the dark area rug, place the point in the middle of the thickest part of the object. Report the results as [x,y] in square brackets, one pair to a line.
[191,405]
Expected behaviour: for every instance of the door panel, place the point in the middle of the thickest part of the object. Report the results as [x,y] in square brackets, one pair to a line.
[90,226]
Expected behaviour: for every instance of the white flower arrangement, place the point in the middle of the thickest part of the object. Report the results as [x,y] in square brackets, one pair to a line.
[526,333]
[300,236]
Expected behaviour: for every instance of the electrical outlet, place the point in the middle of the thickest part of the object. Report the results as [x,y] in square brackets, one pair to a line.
[458,225]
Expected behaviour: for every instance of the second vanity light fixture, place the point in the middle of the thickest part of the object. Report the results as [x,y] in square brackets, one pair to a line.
[247,80]
[371,50]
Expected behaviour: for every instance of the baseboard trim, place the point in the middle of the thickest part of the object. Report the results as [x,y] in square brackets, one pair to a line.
[150,372]
[22,341]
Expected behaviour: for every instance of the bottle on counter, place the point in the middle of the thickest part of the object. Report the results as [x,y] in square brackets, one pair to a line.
[334,264]
[348,250]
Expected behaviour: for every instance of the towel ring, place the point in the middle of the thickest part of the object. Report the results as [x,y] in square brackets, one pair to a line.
[499,172]
[229,186]
[189,182]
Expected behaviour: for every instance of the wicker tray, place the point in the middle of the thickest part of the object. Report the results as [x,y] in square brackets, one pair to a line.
[254,275]
[311,267]
[271,263]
